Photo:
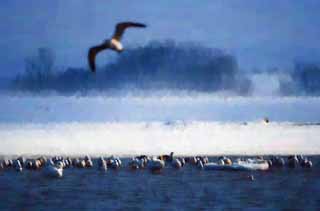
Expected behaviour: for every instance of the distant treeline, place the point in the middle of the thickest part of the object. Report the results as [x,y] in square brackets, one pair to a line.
[161,65]
[304,80]
[157,65]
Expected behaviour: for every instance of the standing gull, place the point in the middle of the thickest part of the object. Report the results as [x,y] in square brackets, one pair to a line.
[113,44]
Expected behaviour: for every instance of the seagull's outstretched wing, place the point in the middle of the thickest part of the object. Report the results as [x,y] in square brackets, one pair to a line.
[93,51]
[121,27]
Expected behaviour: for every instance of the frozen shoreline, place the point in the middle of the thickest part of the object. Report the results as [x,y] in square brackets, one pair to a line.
[132,125]
[102,109]
[152,138]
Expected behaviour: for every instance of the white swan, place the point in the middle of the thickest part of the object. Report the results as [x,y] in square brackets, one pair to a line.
[305,163]
[113,162]
[17,165]
[200,164]
[156,164]
[89,163]
[55,171]
[292,161]
[134,164]
[102,164]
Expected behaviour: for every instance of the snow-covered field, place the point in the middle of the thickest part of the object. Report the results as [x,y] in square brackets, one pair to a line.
[185,124]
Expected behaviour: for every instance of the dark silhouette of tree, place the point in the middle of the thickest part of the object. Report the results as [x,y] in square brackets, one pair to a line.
[38,69]
[157,65]
[305,80]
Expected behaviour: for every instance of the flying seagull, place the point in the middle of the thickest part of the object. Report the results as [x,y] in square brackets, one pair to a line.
[113,44]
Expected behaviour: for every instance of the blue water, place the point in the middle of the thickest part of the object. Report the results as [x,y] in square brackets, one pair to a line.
[185,189]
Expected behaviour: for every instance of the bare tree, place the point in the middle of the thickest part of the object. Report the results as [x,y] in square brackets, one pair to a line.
[39,67]
[46,59]
[41,63]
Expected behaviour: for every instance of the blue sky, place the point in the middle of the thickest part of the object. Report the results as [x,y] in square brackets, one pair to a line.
[261,33]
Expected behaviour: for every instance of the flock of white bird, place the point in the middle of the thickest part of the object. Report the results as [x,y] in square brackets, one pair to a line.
[54,166]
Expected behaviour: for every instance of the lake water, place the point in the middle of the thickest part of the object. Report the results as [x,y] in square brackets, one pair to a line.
[186,189]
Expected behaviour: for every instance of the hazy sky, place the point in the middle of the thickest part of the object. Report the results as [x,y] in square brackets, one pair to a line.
[261,33]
